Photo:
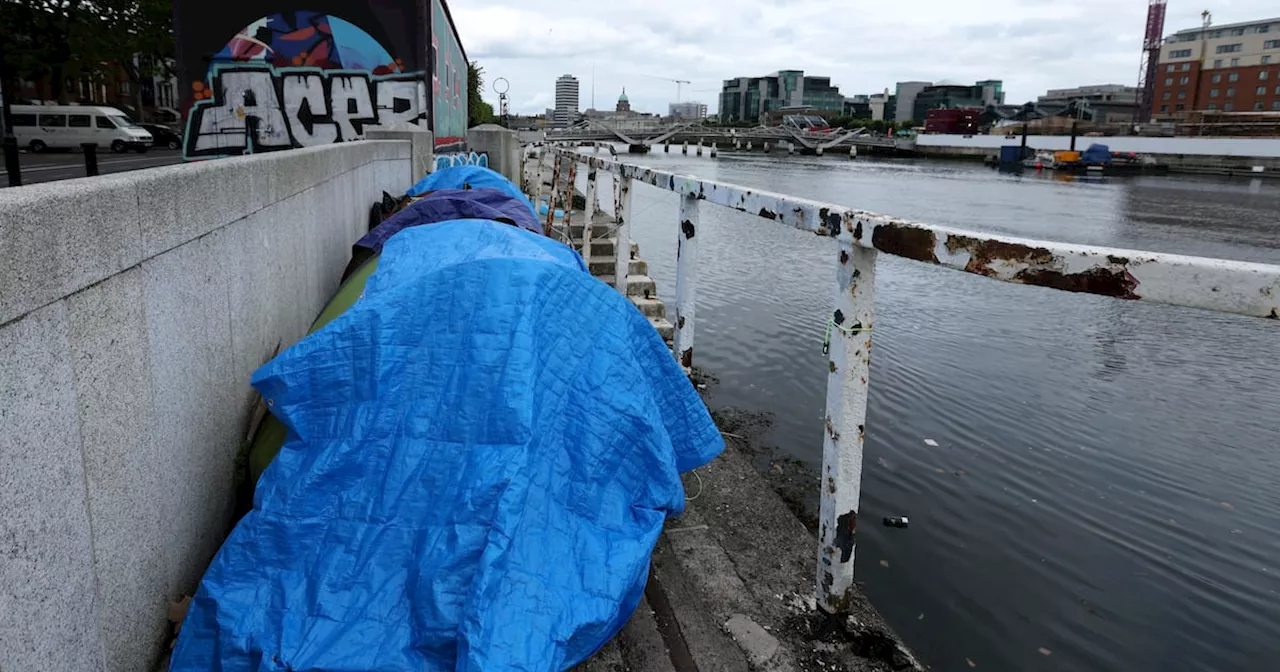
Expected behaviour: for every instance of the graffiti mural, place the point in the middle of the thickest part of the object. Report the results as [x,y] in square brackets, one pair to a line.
[448,81]
[461,159]
[258,80]
[298,79]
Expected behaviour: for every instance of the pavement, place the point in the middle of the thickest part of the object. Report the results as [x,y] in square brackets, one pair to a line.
[49,166]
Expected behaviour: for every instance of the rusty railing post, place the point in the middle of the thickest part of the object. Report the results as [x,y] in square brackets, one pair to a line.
[848,348]
[541,155]
[569,186]
[622,239]
[551,193]
[590,209]
[686,277]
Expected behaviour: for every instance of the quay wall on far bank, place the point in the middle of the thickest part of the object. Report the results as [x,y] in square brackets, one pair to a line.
[133,309]
[1214,156]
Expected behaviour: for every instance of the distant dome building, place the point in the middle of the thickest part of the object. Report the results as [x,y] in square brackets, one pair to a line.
[624,105]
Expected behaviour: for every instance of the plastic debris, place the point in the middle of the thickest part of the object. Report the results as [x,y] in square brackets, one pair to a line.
[931,443]
[896,521]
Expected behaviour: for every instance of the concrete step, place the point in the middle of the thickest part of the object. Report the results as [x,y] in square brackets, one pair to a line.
[650,307]
[599,231]
[603,247]
[637,285]
[665,329]
[605,266]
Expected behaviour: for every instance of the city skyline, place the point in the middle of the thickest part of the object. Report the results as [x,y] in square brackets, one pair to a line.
[1031,45]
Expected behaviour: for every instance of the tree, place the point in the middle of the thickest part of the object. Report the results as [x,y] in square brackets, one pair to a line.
[478,111]
[137,35]
[85,39]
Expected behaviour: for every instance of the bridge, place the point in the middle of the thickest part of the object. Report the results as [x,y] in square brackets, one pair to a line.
[762,137]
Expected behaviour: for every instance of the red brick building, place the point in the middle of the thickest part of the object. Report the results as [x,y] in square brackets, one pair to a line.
[1231,68]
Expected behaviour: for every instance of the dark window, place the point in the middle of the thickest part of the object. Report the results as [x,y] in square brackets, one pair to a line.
[1227,107]
[1180,107]
[1181,53]
[1231,92]
[1233,77]
[104,122]
[1271,44]
[78,121]
[1212,106]
[1182,95]
[1262,75]
[1213,93]
[1168,81]
[1228,48]
[1216,79]
[53,120]
[1184,81]
[1262,91]
[1275,105]
[23,119]
[1164,108]
[1257,106]
[1168,95]
[1186,67]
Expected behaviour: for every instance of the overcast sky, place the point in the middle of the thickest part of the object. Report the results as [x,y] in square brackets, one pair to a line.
[864,46]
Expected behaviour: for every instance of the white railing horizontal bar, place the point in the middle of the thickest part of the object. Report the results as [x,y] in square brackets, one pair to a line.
[1198,282]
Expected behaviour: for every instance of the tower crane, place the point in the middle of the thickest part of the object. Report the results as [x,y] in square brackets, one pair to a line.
[671,79]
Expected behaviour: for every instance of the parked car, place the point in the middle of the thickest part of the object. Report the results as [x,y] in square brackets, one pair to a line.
[163,136]
[40,127]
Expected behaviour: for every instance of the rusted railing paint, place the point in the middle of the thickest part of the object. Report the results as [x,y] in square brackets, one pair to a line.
[1211,284]
[551,193]
[590,213]
[566,197]
[1197,282]
[622,239]
[686,279]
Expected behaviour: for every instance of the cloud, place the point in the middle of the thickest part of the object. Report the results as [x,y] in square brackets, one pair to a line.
[865,47]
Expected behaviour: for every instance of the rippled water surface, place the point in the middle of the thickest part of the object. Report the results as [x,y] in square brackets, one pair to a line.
[1106,484]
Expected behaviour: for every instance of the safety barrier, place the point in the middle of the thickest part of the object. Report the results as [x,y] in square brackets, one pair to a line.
[859,237]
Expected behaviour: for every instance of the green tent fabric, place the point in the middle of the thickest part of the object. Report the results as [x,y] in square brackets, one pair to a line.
[271,433]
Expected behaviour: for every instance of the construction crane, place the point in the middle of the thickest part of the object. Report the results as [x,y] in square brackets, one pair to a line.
[1150,61]
[671,79]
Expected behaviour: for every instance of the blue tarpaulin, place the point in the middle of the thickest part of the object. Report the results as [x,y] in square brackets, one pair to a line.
[468,177]
[449,204]
[481,454]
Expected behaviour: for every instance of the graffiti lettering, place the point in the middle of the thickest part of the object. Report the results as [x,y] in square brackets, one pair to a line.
[461,159]
[257,107]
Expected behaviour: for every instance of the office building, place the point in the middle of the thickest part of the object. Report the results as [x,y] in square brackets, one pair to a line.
[905,95]
[881,106]
[751,98]
[979,95]
[1229,68]
[1104,103]
[566,111]
[687,110]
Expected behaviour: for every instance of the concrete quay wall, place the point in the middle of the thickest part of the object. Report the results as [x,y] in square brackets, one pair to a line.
[133,310]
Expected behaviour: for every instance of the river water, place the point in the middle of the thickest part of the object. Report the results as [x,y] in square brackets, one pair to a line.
[1104,488]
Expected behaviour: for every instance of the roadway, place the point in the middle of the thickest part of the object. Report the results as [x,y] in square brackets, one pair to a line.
[51,166]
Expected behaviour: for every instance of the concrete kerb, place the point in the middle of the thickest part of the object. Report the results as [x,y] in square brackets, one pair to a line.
[60,237]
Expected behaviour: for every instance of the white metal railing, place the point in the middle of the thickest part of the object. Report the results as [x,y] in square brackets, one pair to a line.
[859,236]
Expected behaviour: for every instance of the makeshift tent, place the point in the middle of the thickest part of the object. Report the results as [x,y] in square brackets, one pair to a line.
[468,177]
[481,453]
[442,206]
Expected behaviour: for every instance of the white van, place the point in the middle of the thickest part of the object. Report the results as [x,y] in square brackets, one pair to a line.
[40,127]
